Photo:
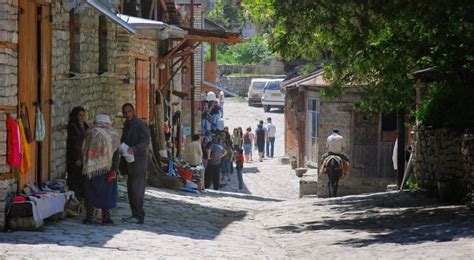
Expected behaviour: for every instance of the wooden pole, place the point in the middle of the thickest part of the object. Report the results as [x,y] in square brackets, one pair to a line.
[401,146]
[193,103]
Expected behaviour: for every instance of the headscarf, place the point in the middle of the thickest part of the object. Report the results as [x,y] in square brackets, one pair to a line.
[100,143]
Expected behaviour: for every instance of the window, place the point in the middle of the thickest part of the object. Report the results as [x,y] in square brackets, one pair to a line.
[103,48]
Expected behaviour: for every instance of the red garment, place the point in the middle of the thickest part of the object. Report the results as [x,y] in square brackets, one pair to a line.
[13,143]
[240,158]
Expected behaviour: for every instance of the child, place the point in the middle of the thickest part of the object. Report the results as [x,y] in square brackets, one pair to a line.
[239,161]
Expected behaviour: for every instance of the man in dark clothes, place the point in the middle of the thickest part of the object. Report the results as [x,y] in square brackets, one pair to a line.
[136,135]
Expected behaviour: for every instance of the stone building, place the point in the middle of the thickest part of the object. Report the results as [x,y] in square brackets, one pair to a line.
[369,140]
[55,58]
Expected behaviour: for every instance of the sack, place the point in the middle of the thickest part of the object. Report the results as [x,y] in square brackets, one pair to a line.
[247,139]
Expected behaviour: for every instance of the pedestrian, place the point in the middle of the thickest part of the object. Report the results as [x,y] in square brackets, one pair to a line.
[261,136]
[205,147]
[270,142]
[193,156]
[226,163]
[136,135]
[101,161]
[205,118]
[239,162]
[241,135]
[236,139]
[215,154]
[214,130]
[221,103]
[215,114]
[247,143]
[76,130]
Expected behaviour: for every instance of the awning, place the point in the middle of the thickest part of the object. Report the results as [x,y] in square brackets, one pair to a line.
[153,28]
[106,11]
[143,26]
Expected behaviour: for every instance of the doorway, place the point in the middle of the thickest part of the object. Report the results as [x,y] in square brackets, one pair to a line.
[34,81]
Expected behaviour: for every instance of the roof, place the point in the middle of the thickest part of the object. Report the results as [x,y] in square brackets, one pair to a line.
[208,24]
[314,78]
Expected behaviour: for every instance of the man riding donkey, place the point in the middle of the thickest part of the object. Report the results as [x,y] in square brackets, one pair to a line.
[335,145]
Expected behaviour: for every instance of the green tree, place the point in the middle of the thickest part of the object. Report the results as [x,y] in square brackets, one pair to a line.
[253,51]
[377,45]
[226,14]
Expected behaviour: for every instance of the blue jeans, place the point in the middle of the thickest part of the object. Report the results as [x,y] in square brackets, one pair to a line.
[225,164]
[270,142]
[240,178]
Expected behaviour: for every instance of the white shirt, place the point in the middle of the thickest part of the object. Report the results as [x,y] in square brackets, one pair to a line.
[335,143]
[271,129]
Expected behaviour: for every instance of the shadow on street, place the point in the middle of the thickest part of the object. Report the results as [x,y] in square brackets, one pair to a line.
[391,218]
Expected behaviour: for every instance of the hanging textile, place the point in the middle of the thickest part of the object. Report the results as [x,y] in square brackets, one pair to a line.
[25,149]
[13,143]
[40,129]
[25,117]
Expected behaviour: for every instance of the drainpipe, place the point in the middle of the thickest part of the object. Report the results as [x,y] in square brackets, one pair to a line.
[193,130]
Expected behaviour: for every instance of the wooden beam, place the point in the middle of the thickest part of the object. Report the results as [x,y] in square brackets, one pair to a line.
[170,53]
[9,109]
[8,45]
[230,40]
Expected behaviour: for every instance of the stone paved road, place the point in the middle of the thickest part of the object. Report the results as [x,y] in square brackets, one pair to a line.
[265,221]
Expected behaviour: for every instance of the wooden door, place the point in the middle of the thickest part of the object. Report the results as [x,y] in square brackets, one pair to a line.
[142,88]
[34,81]
[364,163]
[45,101]
[28,75]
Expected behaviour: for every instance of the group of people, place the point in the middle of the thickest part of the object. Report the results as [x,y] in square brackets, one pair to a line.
[212,110]
[218,151]
[93,158]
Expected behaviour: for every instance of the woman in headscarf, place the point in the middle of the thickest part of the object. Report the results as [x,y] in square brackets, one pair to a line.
[76,129]
[101,161]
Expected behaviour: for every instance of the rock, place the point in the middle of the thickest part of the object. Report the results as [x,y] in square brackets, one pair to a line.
[300,171]
[309,185]
[392,187]
[285,160]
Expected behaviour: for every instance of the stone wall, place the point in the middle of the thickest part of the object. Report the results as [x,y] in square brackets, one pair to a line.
[275,69]
[8,70]
[240,85]
[85,87]
[444,162]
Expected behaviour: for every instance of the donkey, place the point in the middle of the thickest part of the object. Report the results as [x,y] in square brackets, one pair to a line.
[334,172]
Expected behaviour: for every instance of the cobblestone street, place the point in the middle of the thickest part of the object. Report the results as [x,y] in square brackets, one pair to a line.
[264,221]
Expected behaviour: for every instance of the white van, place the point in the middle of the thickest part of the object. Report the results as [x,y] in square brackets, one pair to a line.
[255,91]
[273,95]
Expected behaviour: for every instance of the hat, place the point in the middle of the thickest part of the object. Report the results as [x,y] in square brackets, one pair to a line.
[103,118]
[335,130]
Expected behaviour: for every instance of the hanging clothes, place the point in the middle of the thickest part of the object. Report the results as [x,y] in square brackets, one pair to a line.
[40,130]
[13,143]
[26,125]
[25,149]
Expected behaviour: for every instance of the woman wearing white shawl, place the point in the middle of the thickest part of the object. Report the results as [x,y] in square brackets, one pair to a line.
[101,161]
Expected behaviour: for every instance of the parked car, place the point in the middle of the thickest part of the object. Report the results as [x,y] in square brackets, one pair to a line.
[255,92]
[273,95]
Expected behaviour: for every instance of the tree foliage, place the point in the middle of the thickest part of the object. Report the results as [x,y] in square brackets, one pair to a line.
[377,45]
[253,51]
[226,14]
